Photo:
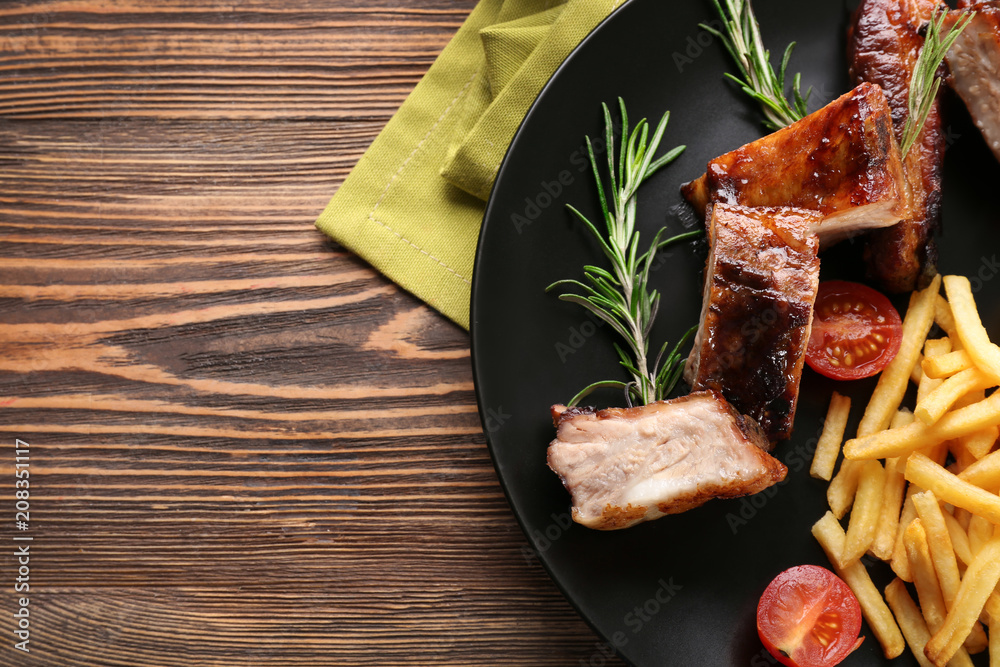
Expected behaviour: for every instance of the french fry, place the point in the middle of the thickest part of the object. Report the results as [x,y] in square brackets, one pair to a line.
[865,513]
[892,504]
[939,400]
[980,443]
[828,447]
[831,537]
[942,556]
[942,552]
[992,607]
[918,435]
[980,531]
[903,417]
[963,516]
[924,578]
[944,318]
[900,564]
[932,348]
[840,492]
[917,374]
[893,381]
[911,621]
[946,365]
[971,332]
[959,538]
[951,489]
[979,581]
[963,457]
[928,592]
[985,472]
[994,637]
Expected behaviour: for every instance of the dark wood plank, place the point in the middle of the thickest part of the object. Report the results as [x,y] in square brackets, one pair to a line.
[246,446]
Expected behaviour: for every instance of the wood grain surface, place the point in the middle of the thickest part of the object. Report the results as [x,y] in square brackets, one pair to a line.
[246,446]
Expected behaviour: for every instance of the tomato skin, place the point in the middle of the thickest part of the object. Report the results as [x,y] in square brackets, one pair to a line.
[856,331]
[808,617]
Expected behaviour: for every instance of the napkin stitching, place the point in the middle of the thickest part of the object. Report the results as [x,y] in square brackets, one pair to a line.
[416,149]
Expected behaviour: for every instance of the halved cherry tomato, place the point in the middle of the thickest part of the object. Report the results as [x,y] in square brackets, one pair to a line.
[808,617]
[855,331]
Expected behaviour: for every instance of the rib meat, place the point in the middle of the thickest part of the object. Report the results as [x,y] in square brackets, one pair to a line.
[842,161]
[883,42]
[627,465]
[760,286]
[974,60]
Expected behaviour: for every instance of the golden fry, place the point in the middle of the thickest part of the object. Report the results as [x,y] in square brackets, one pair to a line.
[979,581]
[963,457]
[951,489]
[939,400]
[831,537]
[994,637]
[828,447]
[946,365]
[924,578]
[894,379]
[980,443]
[918,435]
[840,492]
[959,538]
[900,564]
[943,558]
[969,326]
[892,504]
[944,318]
[934,347]
[985,472]
[865,513]
[910,620]
[903,417]
[939,544]
[980,532]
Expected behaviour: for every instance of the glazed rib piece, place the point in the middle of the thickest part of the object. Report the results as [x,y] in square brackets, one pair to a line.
[760,286]
[883,42]
[842,161]
[627,465]
[974,61]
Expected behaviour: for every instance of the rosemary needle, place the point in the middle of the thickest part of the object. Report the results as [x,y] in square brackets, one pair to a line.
[621,297]
[925,82]
[743,42]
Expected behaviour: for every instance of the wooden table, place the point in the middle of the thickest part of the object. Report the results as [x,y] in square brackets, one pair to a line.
[245,446]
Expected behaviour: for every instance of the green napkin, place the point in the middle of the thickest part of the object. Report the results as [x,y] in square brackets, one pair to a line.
[413,205]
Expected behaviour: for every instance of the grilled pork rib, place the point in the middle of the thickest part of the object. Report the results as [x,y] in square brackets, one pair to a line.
[627,465]
[842,161]
[883,42]
[760,286]
[974,60]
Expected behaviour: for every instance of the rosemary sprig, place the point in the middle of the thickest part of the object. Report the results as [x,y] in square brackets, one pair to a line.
[925,82]
[621,297]
[742,40]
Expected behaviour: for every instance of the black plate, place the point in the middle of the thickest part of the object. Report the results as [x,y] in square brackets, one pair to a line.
[681,590]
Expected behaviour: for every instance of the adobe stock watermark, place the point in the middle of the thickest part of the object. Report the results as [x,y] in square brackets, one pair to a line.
[551,191]
[22,544]
[988,269]
[633,623]
[695,45]
[544,538]
[797,459]
[577,336]
[494,419]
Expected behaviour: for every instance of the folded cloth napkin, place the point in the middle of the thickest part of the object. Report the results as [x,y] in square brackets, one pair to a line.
[413,204]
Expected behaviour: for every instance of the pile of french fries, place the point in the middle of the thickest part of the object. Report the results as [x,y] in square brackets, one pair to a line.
[921,486]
